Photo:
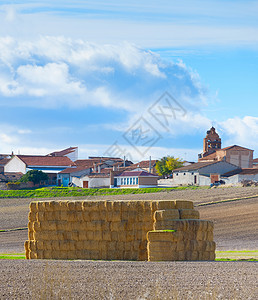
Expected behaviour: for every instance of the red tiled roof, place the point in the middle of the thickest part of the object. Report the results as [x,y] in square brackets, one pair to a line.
[73,170]
[56,161]
[235,147]
[137,174]
[249,172]
[98,175]
[63,152]
[145,164]
[255,160]
[196,166]
[4,161]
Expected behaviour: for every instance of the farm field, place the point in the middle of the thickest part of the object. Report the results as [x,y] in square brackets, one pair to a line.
[236,222]
[21,279]
[236,228]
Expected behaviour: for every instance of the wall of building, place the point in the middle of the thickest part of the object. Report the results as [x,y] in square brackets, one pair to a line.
[108,230]
[15,165]
[185,178]
[148,181]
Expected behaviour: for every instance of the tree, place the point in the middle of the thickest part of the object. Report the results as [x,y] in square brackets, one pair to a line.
[35,176]
[167,164]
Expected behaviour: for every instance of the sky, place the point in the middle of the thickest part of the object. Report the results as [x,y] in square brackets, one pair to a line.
[127,78]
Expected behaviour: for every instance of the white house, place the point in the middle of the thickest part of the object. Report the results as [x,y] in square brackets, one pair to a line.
[51,165]
[202,173]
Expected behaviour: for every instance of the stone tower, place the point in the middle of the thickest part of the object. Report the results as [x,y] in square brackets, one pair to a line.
[211,142]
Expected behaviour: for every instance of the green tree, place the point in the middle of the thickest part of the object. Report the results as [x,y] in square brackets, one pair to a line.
[35,176]
[167,164]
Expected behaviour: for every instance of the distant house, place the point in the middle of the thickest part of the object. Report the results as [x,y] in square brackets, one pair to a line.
[65,177]
[51,165]
[146,165]
[135,179]
[255,163]
[236,155]
[93,180]
[202,173]
[71,153]
[237,176]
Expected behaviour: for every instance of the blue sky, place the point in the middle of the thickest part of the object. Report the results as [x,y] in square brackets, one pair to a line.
[89,74]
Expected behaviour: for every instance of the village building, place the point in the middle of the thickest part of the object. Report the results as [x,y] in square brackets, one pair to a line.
[229,165]
[133,179]
[51,165]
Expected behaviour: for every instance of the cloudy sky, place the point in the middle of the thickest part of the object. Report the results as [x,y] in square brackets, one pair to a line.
[130,79]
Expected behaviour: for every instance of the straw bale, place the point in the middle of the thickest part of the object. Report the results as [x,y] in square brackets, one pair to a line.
[79,245]
[39,254]
[72,244]
[109,215]
[63,205]
[161,246]
[180,246]
[33,206]
[54,205]
[30,226]
[52,225]
[40,216]
[206,255]
[189,214]
[169,214]
[79,216]
[210,226]
[127,255]
[32,255]
[126,205]
[90,235]
[136,245]
[117,226]
[40,245]
[105,226]
[181,255]
[109,205]
[94,215]
[97,235]
[32,216]
[55,245]
[112,246]
[27,254]
[106,235]
[71,216]
[26,245]
[30,235]
[63,225]
[64,245]
[117,206]
[160,235]
[70,205]
[142,255]
[64,255]
[143,245]
[212,255]
[82,235]
[209,236]
[212,246]
[200,235]
[95,254]
[128,246]
[194,245]
[102,246]
[166,204]
[75,235]
[114,236]
[90,205]
[183,204]
[130,236]
[120,246]
[47,245]
[37,226]
[139,235]
[40,206]
[147,226]
[86,215]
[121,236]
[75,225]
[103,215]
[78,205]
[132,216]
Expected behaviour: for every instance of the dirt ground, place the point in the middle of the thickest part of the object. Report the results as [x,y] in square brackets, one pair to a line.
[127,280]
[236,223]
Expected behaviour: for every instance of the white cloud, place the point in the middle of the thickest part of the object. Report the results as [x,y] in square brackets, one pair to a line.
[55,71]
[241,131]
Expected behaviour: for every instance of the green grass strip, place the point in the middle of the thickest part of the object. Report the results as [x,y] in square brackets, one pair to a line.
[59,192]
[12,256]
[13,229]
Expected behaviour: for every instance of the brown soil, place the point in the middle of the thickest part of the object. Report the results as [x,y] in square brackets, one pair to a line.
[37,279]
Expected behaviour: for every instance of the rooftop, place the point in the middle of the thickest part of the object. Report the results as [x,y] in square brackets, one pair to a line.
[36,160]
